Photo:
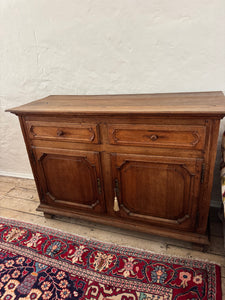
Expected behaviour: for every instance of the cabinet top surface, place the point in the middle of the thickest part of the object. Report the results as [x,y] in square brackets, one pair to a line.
[203,103]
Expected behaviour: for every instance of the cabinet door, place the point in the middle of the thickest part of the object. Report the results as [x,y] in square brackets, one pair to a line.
[70,178]
[158,190]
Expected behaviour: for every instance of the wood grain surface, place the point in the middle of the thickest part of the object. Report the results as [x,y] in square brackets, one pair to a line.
[143,162]
[175,103]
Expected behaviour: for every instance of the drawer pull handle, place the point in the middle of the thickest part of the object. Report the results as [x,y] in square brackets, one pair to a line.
[154,137]
[60,133]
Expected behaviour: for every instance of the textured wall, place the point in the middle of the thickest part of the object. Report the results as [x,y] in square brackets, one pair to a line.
[99,47]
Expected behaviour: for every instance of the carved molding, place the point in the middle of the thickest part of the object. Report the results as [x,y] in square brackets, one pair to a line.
[88,134]
[42,156]
[114,133]
[197,138]
[51,196]
[151,218]
[184,218]
[92,137]
[155,136]
[90,206]
[90,167]
[126,164]
[187,170]
[32,130]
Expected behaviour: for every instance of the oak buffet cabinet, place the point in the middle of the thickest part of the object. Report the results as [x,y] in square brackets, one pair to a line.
[142,162]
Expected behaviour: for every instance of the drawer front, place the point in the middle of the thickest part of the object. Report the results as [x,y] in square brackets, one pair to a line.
[79,133]
[170,136]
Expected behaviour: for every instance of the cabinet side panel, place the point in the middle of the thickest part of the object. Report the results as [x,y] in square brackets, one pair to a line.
[30,156]
[210,157]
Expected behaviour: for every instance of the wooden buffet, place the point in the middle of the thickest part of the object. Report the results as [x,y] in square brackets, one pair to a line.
[142,162]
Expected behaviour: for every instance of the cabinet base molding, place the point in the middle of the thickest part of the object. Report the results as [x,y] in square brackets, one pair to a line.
[48,216]
[198,239]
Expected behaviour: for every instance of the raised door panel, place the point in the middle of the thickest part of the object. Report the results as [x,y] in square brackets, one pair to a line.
[70,178]
[157,190]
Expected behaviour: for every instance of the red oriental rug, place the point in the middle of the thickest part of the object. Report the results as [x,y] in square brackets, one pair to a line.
[42,263]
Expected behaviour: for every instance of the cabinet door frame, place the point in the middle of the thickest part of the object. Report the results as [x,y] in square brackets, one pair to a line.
[91,159]
[192,166]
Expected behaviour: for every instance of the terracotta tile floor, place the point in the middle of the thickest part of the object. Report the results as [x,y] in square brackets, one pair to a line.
[19,200]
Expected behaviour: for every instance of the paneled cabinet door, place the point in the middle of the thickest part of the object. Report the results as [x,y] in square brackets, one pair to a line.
[157,190]
[70,178]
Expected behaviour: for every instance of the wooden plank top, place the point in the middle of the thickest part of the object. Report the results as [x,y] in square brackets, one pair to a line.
[202,103]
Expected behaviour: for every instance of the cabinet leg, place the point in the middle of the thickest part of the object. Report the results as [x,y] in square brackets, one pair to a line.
[199,247]
[48,216]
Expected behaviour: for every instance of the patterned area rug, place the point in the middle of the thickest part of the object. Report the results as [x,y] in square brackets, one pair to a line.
[42,263]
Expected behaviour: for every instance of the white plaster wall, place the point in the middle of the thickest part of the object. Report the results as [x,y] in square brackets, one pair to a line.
[103,47]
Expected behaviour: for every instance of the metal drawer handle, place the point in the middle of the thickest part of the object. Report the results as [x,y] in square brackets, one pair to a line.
[60,133]
[154,137]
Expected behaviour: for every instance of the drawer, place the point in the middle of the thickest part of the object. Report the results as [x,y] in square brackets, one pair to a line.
[170,136]
[60,131]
